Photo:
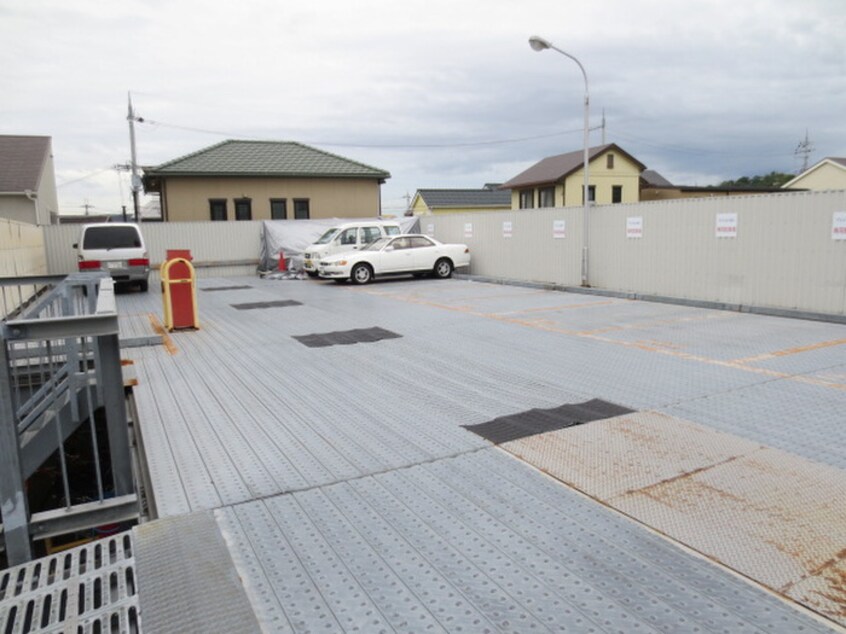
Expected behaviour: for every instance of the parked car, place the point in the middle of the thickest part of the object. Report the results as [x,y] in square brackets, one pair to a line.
[415,254]
[117,248]
[346,237]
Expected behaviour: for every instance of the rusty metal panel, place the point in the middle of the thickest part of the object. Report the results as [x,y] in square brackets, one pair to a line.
[772,516]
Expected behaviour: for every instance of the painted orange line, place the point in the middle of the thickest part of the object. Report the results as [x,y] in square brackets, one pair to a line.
[651,324]
[550,326]
[789,351]
[160,330]
[562,307]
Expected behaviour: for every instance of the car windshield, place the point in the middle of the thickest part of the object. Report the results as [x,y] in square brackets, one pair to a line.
[111,238]
[327,237]
[377,244]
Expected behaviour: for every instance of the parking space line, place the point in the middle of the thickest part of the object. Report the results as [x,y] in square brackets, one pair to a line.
[551,326]
[790,351]
[167,342]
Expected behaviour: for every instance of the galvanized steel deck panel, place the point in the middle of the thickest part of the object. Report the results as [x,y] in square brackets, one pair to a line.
[385,521]
[477,543]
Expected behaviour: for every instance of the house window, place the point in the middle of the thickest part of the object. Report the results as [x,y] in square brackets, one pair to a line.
[527,199]
[217,209]
[616,193]
[609,161]
[591,193]
[546,197]
[278,209]
[243,209]
[301,210]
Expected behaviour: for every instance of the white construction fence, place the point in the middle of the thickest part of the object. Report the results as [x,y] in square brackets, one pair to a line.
[780,251]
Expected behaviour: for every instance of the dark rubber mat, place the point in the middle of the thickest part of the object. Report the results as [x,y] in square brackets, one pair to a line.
[276,304]
[539,421]
[346,337]
[226,288]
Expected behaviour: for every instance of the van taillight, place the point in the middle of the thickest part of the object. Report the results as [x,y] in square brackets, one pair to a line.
[89,264]
[139,262]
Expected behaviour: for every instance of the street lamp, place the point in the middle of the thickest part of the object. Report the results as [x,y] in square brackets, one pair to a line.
[540,44]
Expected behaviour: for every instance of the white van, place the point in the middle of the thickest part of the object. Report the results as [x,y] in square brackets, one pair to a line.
[117,248]
[346,237]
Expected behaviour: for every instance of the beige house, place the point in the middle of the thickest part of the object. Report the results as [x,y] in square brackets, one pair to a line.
[454,201]
[557,181]
[264,180]
[28,180]
[829,173]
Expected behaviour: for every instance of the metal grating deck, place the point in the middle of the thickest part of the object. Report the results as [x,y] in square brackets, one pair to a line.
[477,543]
[89,589]
[351,497]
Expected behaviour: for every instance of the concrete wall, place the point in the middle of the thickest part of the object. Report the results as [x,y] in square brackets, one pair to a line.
[187,199]
[783,255]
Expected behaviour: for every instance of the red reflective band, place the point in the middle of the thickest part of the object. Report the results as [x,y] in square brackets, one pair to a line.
[89,264]
[139,262]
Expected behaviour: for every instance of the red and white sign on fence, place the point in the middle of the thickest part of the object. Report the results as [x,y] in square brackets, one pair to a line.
[726,226]
[634,227]
[559,229]
[838,225]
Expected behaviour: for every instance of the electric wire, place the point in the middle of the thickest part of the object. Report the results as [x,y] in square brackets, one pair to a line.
[395,146]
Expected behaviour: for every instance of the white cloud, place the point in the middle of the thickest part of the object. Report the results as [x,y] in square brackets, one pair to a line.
[705,89]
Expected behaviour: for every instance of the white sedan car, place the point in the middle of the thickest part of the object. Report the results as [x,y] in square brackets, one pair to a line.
[397,255]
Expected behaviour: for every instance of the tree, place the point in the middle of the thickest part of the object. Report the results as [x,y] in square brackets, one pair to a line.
[773,179]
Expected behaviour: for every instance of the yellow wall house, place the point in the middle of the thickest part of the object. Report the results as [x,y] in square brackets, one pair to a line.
[829,173]
[265,180]
[455,201]
[557,181]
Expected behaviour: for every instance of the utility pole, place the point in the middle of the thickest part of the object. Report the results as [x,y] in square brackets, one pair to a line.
[603,126]
[804,150]
[136,180]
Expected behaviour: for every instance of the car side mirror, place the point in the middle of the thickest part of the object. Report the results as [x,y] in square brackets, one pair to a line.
[390,248]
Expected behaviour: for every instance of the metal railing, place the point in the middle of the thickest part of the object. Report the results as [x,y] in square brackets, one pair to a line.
[59,364]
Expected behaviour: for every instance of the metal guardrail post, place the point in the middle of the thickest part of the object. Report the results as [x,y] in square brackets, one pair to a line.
[115,405]
[13,502]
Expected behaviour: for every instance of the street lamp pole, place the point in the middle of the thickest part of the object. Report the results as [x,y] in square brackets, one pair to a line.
[540,44]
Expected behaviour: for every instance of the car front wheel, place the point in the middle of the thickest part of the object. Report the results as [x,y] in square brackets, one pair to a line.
[361,274]
[443,268]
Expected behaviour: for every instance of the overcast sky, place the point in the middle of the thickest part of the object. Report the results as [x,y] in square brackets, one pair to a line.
[441,93]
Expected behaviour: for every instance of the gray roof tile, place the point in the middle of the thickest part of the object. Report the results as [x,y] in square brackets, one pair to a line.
[443,198]
[22,161]
[265,158]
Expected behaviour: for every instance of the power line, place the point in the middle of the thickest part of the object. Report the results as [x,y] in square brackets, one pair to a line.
[396,146]
[696,151]
[86,177]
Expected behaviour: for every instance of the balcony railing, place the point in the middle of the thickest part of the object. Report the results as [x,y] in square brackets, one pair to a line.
[59,364]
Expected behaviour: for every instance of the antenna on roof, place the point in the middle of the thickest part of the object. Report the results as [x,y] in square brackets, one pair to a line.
[804,150]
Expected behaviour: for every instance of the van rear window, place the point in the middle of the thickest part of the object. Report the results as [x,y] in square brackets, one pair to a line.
[111,238]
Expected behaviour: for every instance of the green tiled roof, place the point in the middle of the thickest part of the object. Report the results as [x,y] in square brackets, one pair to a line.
[266,158]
